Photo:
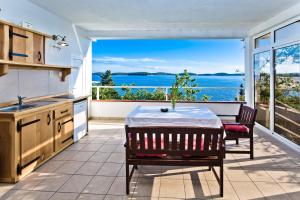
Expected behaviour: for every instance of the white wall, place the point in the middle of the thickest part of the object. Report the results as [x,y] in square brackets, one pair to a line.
[102,109]
[32,83]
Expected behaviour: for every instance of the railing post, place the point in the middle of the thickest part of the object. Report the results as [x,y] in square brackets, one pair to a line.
[166,93]
[97,94]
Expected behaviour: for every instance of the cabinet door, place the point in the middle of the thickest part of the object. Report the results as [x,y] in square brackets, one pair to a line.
[38,49]
[46,145]
[29,140]
[63,132]
[21,45]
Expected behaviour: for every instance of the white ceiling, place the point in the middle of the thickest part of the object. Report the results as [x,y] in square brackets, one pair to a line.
[166,18]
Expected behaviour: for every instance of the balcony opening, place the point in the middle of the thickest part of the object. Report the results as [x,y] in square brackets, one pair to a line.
[145,70]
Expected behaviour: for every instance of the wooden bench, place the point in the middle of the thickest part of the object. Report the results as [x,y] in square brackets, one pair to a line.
[174,146]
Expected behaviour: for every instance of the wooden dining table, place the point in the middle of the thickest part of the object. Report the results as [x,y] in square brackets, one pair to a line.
[145,116]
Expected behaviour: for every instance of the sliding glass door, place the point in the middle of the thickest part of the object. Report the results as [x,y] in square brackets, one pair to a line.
[287,92]
[262,87]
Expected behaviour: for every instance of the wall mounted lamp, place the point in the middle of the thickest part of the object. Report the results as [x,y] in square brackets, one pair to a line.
[61,40]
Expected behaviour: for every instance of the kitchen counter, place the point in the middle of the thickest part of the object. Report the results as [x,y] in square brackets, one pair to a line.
[42,103]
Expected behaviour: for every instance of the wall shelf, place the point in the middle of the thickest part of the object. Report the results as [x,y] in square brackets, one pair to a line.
[5,65]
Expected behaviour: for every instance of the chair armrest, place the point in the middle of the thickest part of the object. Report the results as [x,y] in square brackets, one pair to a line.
[236,123]
[227,115]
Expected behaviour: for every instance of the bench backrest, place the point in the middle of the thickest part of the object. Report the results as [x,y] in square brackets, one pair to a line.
[175,141]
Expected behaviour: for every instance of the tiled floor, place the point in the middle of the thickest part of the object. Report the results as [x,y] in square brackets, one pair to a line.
[94,169]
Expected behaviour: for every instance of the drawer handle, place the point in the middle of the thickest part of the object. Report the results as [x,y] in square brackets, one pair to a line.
[70,120]
[71,137]
[62,112]
[48,119]
[39,56]
[59,127]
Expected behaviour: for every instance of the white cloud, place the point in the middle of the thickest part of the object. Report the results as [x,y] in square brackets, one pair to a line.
[122,64]
[126,60]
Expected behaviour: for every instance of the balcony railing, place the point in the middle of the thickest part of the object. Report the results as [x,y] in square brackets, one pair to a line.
[162,93]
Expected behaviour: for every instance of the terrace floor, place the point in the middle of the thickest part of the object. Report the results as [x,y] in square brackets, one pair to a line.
[93,168]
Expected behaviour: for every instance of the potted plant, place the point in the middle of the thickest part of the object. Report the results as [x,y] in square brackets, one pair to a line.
[174,95]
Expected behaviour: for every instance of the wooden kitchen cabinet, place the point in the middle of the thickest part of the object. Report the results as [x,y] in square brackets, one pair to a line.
[63,132]
[21,45]
[38,49]
[30,139]
[46,143]
[28,133]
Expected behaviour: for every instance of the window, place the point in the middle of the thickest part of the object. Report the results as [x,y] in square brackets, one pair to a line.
[289,32]
[262,87]
[287,92]
[262,41]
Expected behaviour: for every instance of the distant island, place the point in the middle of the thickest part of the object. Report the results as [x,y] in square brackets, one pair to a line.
[164,73]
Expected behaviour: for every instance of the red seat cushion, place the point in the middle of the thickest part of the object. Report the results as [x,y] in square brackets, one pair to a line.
[236,128]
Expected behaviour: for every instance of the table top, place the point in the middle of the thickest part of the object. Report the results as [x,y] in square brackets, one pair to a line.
[143,116]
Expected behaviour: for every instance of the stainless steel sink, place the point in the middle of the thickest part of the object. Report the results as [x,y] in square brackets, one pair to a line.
[17,108]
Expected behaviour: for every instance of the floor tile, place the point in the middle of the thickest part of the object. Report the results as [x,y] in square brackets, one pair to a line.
[116,158]
[118,187]
[292,189]
[50,166]
[237,175]
[82,156]
[172,188]
[246,190]
[52,182]
[38,195]
[65,155]
[196,189]
[229,192]
[108,148]
[116,197]
[109,169]
[89,168]
[69,167]
[91,147]
[281,176]
[64,196]
[99,185]
[29,182]
[76,184]
[99,157]
[15,195]
[90,197]
[271,190]
[147,187]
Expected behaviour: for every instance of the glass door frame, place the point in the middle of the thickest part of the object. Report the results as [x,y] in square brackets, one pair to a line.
[272,47]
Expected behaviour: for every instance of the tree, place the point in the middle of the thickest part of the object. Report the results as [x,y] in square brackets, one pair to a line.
[106,78]
[185,82]
[108,93]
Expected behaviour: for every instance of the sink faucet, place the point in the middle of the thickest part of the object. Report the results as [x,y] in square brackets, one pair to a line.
[20,100]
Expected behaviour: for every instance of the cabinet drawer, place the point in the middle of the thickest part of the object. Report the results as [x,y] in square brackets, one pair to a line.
[63,111]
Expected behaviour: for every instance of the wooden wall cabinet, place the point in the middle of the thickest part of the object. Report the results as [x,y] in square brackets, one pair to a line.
[24,48]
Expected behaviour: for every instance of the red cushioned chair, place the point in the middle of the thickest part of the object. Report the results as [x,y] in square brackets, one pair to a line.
[241,128]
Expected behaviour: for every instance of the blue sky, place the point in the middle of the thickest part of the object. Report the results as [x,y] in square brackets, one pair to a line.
[197,56]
